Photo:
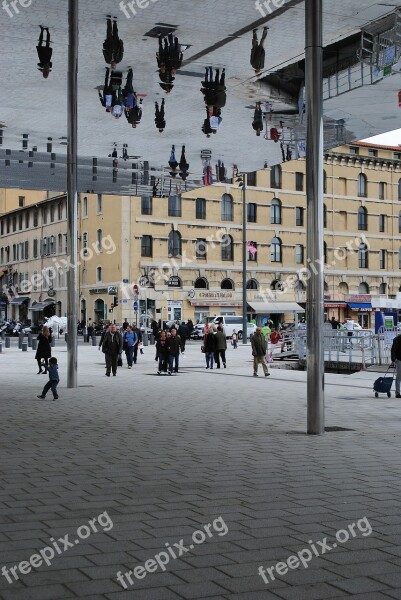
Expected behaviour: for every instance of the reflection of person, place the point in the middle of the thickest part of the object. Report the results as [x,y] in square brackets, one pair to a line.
[257,123]
[160,119]
[107,95]
[129,95]
[113,47]
[258,51]
[44,53]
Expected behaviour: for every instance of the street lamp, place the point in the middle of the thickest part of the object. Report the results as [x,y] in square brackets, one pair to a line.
[241,180]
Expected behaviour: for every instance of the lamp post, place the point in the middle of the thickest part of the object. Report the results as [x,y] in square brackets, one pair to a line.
[242,184]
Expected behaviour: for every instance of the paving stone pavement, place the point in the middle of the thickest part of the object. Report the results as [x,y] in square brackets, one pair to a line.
[164,457]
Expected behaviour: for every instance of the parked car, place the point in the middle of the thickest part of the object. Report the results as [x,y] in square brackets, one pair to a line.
[229,323]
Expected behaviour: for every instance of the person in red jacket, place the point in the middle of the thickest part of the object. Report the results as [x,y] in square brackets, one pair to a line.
[275,339]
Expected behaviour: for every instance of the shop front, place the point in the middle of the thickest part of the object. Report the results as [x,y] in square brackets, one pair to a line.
[3,307]
[333,308]
[19,308]
[209,304]
[42,310]
[278,312]
[360,310]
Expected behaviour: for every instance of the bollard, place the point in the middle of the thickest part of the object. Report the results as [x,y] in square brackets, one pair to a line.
[8,342]
[1,347]
[24,347]
[94,341]
[20,340]
[145,339]
[53,342]
[30,340]
[34,343]
[151,339]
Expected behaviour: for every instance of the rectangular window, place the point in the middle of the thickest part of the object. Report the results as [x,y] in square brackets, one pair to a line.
[35,217]
[8,225]
[146,245]
[382,223]
[382,259]
[397,155]
[252,251]
[174,206]
[251,179]
[252,210]
[382,191]
[20,221]
[44,216]
[201,249]
[35,248]
[354,150]
[27,219]
[2,256]
[14,223]
[35,279]
[299,182]
[52,210]
[146,205]
[372,152]
[99,204]
[21,201]
[299,216]
[60,211]
[201,208]
[2,227]
[299,254]
[275,177]
[26,250]
[85,207]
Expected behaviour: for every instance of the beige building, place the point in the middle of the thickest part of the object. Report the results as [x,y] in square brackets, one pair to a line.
[185,251]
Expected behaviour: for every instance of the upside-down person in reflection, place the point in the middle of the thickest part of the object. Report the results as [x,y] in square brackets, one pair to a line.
[106,97]
[44,52]
[258,51]
[129,96]
[113,47]
[257,122]
[160,118]
[169,59]
[215,99]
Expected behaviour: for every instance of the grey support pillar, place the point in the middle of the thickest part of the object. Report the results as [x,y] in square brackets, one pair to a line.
[72,196]
[314,193]
[244,264]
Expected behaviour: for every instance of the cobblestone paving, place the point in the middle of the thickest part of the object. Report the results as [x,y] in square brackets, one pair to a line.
[165,456]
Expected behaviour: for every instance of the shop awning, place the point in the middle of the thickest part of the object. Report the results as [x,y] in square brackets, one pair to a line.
[20,300]
[277,308]
[360,306]
[37,306]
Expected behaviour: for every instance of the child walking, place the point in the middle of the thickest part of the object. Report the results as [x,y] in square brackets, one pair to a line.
[54,379]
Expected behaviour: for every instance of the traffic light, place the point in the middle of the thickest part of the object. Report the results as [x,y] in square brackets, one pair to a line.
[115,301]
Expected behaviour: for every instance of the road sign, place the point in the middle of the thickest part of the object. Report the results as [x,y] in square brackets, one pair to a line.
[136,306]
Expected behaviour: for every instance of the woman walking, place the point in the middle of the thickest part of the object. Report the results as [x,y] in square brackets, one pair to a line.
[44,350]
[130,340]
[209,344]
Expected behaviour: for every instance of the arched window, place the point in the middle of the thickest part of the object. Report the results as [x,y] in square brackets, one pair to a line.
[98,274]
[276,285]
[201,284]
[324,182]
[326,286]
[60,243]
[383,289]
[343,287]
[174,244]
[275,212]
[300,286]
[227,207]
[324,216]
[399,189]
[99,239]
[363,256]
[252,284]
[275,177]
[99,309]
[275,250]
[362,219]
[299,254]
[325,253]
[227,248]
[227,284]
[362,185]
[363,288]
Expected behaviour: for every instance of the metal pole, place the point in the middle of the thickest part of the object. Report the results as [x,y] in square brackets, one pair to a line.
[244,257]
[314,192]
[72,197]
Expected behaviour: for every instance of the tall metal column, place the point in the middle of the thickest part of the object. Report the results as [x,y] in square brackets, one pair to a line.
[244,259]
[72,196]
[314,193]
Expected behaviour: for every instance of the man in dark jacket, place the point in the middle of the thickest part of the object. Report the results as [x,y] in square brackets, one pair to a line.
[257,122]
[396,359]
[44,53]
[113,47]
[183,334]
[160,119]
[221,347]
[138,333]
[112,347]
[173,349]
[259,348]
[258,51]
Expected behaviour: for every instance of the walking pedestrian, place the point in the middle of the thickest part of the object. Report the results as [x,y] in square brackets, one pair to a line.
[173,347]
[184,335]
[44,350]
[257,122]
[258,51]
[259,348]
[209,346]
[234,339]
[396,359]
[349,326]
[221,347]
[162,353]
[160,118]
[113,47]
[54,380]
[112,347]
[130,340]
[137,346]
[44,52]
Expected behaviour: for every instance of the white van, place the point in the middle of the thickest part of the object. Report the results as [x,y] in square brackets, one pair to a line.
[231,322]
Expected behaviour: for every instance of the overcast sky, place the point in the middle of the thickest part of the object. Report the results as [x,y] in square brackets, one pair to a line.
[391,138]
